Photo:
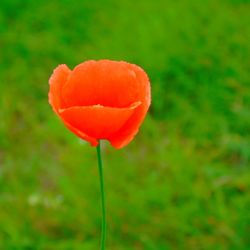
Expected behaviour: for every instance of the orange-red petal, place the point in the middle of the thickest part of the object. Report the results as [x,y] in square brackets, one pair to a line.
[56,81]
[131,127]
[104,82]
[97,121]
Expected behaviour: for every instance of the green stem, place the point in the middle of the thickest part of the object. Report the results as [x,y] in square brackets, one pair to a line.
[102,196]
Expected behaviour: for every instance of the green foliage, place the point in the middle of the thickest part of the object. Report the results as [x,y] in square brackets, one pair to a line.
[184,182]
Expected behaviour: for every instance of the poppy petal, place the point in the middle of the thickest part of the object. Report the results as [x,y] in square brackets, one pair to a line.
[56,81]
[131,128]
[97,121]
[104,82]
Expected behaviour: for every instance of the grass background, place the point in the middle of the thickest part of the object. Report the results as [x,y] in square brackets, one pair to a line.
[184,182]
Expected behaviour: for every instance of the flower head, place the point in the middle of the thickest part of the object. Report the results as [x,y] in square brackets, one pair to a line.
[101,100]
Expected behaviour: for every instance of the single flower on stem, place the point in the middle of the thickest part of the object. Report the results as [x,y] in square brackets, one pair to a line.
[101,100]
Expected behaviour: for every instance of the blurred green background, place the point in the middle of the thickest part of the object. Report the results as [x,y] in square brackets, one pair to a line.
[184,182]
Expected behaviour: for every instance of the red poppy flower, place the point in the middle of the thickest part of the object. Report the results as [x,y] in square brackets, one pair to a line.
[101,100]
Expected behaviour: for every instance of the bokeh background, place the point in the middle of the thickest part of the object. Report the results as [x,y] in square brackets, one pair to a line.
[184,182]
